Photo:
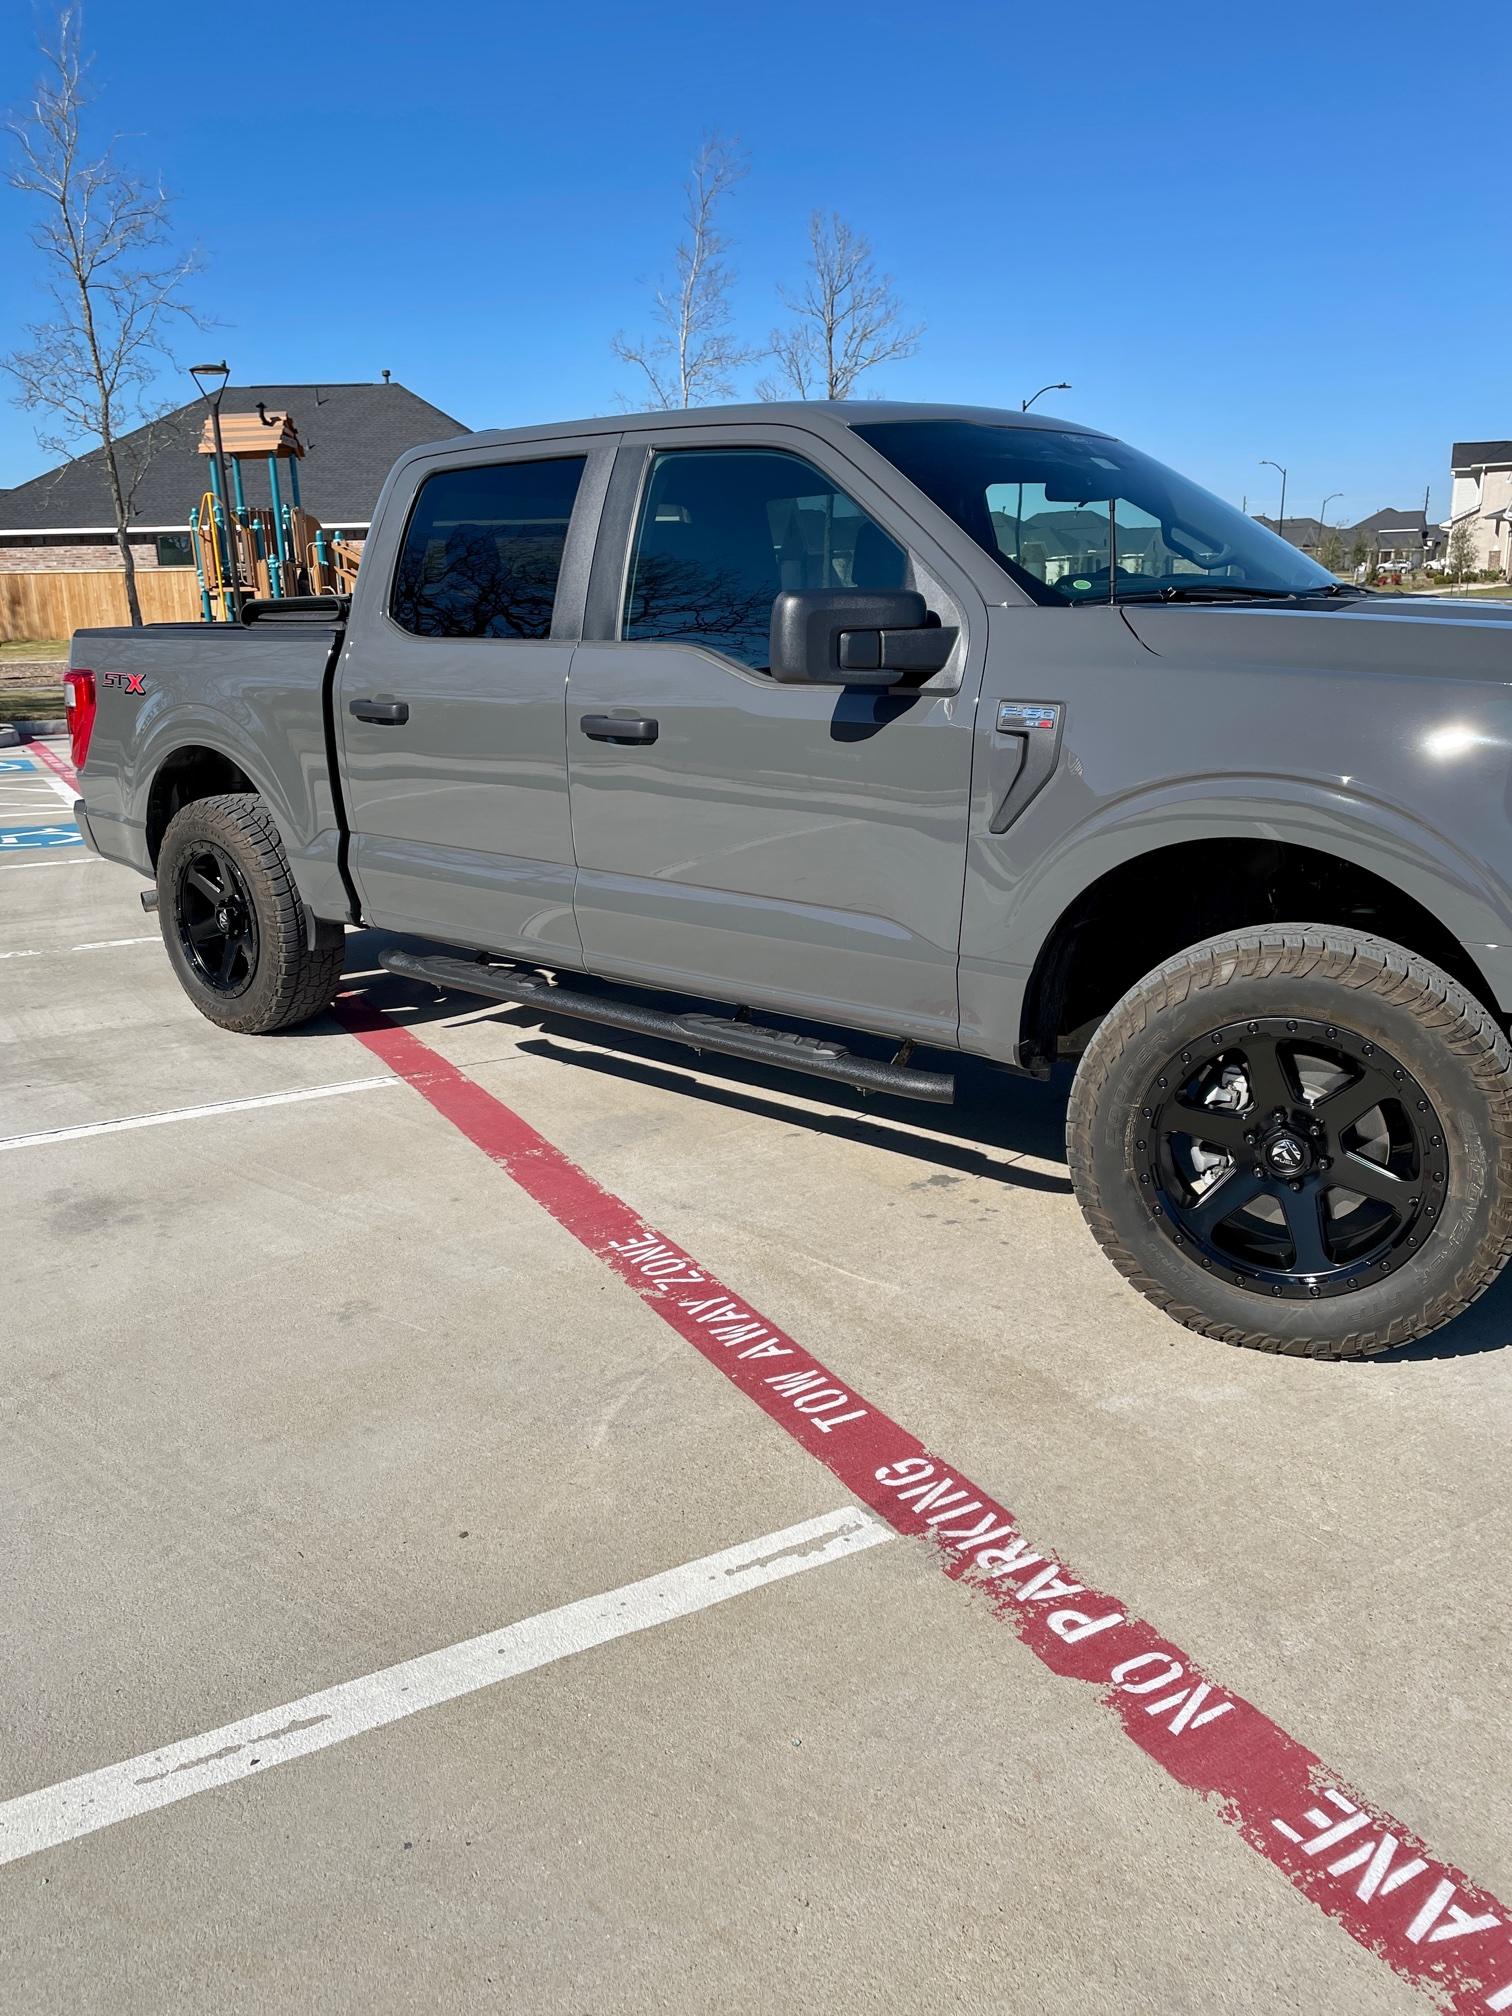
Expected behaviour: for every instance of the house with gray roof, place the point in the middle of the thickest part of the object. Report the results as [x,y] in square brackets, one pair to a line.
[1392,539]
[62,520]
[1481,500]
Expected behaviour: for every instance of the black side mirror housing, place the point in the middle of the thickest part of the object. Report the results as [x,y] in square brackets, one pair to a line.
[848,637]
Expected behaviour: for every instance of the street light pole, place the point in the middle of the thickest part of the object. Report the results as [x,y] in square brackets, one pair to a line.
[1322,511]
[221,371]
[1025,404]
[1266,463]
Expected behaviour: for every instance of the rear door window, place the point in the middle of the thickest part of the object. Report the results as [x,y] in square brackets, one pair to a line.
[483,550]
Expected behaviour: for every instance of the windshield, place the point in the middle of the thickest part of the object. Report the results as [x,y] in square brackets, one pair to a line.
[1067,514]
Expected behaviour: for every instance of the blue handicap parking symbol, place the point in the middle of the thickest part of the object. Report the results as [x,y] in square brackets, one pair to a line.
[15,838]
[8,764]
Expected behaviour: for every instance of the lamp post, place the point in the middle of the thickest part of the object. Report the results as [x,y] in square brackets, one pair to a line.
[1024,405]
[217,374]
[1322,508]
[1266,463]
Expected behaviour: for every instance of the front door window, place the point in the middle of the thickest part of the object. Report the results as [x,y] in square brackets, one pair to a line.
[723,531]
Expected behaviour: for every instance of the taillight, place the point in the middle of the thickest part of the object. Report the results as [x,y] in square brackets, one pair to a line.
[79,700]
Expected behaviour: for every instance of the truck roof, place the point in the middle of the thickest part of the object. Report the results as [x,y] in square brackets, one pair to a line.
[818,415]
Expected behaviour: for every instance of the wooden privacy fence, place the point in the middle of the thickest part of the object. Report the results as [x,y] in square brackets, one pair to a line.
[55,605]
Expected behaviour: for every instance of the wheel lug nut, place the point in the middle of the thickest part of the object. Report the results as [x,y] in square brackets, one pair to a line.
[1296,1186]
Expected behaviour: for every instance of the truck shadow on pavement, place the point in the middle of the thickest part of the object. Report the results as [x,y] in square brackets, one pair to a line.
[998,1116]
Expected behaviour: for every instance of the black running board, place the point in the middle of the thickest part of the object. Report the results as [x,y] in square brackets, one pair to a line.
[818,1056]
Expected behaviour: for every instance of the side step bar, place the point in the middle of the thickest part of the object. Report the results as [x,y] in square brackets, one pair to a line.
[819,1056]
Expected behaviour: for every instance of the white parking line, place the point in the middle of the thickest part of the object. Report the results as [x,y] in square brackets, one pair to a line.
[85,1133]
[90,945]
[79,860]
[64,791]
[99,1799]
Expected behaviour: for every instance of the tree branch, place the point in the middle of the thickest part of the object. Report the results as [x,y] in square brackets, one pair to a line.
[691,356]
[847,319]
[103,234]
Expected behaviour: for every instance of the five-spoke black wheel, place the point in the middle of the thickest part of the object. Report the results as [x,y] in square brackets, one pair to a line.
[1297,1158]
[216,919]
[1298,1139]
[246,951]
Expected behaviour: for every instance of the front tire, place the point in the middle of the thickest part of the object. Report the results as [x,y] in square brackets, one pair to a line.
[1298,1140]
[233,922]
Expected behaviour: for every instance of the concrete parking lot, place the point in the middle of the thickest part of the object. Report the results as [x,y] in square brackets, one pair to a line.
[498,1517]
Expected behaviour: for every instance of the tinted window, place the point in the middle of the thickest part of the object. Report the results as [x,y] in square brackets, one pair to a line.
[1084,518]
[483,550]
[722,531]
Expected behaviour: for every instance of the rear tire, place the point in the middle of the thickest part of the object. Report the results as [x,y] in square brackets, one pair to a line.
[1236,1046]
[233,922]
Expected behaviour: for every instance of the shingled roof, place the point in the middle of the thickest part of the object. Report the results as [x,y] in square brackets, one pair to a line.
[352,435]
[1476,454]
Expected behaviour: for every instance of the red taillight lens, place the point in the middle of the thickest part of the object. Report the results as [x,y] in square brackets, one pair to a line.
[79,699]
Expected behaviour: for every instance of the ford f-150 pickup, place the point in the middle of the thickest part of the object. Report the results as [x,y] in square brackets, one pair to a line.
[971,730]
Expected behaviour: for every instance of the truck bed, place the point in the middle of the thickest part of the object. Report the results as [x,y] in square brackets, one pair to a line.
[268,691]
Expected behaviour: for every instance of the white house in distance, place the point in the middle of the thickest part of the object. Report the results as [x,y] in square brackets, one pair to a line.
[1482,498]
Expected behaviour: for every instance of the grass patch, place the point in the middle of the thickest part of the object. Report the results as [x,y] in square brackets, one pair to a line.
[38,647]
[20,703]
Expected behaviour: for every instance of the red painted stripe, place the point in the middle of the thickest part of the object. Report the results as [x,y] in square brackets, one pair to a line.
[1355,1862]
[55,763]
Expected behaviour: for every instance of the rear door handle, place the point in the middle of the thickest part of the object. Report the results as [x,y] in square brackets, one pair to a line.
[388,713]
[620,728]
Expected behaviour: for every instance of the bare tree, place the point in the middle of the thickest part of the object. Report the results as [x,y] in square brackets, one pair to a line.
[114,286]
[689,359]
[847,319]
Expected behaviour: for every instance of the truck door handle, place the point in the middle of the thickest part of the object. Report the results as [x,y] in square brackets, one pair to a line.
[620,728]
[1026,744]
[388,713]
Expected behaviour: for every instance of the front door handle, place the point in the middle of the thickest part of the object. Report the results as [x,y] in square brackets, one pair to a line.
[620,728]
[387,713]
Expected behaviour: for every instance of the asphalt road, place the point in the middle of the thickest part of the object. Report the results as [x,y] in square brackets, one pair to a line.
[334,1403]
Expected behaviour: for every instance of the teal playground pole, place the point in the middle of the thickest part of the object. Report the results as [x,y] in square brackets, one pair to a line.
[275,556]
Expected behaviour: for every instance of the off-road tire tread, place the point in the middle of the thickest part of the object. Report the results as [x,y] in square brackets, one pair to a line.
[305,981]
[1460,1023]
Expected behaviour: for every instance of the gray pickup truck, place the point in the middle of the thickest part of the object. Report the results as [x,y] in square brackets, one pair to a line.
[970,730]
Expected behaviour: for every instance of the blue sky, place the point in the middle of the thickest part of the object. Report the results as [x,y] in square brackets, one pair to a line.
[1239,232]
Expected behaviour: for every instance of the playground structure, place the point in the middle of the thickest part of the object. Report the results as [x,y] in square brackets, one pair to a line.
[262,551]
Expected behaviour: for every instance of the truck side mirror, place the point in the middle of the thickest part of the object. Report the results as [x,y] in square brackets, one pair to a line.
[847,637]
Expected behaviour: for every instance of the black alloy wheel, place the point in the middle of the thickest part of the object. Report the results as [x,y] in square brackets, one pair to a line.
[1292,1158]
[1298,1138]
[216,920]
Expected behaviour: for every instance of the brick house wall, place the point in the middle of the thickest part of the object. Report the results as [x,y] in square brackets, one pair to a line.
[46,557]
